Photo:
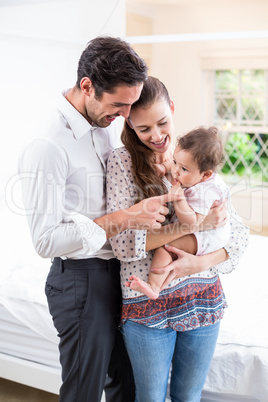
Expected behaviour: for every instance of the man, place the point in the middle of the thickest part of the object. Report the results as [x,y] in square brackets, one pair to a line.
[63,182]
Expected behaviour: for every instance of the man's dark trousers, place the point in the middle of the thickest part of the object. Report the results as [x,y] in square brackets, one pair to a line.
[85,300]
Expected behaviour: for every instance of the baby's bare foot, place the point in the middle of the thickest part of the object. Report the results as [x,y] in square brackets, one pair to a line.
[135,283]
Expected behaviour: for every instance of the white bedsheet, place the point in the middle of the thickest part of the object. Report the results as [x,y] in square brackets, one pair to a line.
[22,277]
[21,341]
[240,364]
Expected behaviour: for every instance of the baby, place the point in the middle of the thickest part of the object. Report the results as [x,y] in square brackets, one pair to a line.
[196,157]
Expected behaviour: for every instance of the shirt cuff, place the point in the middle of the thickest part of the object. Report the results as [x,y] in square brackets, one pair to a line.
[92,235]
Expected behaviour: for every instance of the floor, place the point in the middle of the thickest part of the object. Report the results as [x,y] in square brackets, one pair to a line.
[14,392]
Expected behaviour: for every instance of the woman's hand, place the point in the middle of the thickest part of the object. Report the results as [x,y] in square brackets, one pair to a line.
[184,264]
[163,162]
[216,217]
[160,169]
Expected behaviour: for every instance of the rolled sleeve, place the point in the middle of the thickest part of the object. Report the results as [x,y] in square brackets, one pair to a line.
[129,245]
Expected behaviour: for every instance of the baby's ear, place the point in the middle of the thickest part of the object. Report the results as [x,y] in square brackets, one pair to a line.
[172,107]
[206,175]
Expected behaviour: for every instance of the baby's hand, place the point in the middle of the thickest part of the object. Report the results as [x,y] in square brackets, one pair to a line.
[177,189]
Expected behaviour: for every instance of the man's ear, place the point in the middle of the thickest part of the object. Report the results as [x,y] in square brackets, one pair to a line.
[86,86]
[206,175]
[129,123]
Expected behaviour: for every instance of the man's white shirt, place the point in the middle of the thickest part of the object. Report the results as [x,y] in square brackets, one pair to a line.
[62,172]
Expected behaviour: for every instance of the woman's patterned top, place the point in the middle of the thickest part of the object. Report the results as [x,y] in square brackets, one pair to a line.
[188,302]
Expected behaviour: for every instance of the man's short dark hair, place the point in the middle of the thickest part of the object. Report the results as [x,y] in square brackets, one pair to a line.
[110,62]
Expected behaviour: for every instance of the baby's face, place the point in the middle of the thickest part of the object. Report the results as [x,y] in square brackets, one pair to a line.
[185,169]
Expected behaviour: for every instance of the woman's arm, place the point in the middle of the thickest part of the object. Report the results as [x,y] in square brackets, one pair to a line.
[225,259]
[237,243]
[136,243]
[168,233]
[188,264]
[128,245]
[215,218]
[132,244]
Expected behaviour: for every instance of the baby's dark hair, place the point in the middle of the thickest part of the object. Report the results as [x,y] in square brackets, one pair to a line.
[205,147]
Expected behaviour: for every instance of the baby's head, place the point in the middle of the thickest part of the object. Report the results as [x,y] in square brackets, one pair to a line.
[197,155]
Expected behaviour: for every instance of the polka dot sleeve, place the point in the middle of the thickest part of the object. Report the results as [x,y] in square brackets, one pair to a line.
[121,193]
[236,244]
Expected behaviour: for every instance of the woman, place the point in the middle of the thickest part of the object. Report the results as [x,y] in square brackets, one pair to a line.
[182,325]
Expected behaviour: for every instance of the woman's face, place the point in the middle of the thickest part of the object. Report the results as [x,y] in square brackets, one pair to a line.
[154,125]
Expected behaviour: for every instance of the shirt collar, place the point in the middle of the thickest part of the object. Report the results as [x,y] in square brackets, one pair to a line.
[79,125]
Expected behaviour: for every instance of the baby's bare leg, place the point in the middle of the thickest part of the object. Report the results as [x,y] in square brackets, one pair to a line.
[187,243]
[161,258]
[152,287]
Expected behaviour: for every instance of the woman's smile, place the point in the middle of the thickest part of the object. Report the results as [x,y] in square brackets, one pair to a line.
[160,144]
[154,125]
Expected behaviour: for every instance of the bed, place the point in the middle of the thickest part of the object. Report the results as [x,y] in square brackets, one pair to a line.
[28,340]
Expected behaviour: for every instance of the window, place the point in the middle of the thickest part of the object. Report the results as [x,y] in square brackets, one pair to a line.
[241,114]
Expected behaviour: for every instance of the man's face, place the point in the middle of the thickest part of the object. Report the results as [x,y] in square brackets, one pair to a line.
[104,111]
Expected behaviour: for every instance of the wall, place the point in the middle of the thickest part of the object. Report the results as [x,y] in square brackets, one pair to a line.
[40,44]
[183,67]
[179,64]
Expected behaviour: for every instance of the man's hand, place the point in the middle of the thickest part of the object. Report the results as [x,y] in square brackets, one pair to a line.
[149,213]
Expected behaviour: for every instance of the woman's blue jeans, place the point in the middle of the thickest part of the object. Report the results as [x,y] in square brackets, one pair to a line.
[152,351]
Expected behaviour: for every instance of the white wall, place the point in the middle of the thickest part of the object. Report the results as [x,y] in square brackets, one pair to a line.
[40,44]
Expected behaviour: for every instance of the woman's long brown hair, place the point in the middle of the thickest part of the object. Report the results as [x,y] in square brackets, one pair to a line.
[146,179]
